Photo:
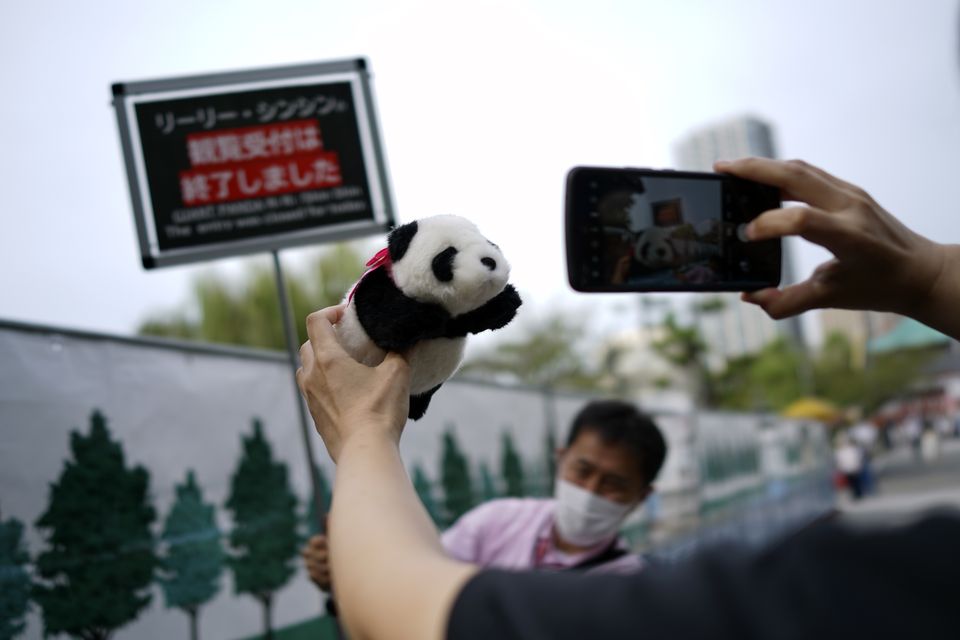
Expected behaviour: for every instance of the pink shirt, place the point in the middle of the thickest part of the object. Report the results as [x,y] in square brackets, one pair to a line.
[511,533]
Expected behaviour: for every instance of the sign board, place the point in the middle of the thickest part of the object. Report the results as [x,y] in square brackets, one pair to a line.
[233,163]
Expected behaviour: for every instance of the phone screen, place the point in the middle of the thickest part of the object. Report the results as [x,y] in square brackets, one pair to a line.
[646,230]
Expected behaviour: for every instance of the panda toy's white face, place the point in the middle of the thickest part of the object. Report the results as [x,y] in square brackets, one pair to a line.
[655,250]
[447,261]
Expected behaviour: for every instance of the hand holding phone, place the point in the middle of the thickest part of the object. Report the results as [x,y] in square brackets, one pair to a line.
[647,230]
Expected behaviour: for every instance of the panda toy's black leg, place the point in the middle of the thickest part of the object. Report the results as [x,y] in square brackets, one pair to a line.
[419,403]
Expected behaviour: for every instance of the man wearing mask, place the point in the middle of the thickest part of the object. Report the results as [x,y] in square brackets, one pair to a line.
[612,456]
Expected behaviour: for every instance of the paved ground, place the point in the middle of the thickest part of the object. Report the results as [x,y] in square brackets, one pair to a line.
[908,487]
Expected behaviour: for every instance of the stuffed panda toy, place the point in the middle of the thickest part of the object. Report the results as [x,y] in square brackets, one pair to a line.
[438,280]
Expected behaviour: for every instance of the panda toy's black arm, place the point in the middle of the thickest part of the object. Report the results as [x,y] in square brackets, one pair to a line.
[496,313]
[393,321]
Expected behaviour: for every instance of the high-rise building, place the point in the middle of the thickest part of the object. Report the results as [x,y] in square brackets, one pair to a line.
[729,139]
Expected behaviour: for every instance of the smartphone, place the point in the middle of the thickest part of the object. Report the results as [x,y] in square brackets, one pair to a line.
[649,230]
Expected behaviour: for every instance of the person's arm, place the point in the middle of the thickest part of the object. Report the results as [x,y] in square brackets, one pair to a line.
[878,263]
[393,579]
[460,541]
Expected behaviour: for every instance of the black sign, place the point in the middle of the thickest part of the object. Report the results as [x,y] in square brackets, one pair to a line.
[234,163]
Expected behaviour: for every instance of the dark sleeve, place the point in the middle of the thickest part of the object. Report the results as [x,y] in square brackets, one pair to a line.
[827,582]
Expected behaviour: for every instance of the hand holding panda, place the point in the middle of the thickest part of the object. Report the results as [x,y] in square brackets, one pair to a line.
[438,280]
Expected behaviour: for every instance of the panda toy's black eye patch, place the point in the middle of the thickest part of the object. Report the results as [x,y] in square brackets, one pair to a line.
[443,264]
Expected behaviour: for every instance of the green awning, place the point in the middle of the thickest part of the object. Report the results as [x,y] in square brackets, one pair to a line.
[908,334]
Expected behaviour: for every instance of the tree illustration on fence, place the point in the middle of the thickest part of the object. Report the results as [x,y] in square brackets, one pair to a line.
[14,579]
[455,478]
[488,489]
[511,468]
[264,536]
[96,574]
[191,568]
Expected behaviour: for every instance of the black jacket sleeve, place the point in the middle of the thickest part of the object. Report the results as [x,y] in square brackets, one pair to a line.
[830,581]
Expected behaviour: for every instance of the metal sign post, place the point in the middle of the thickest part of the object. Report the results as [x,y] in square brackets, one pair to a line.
[290,333]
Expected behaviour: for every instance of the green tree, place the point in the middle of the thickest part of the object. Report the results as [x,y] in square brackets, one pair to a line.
[734,386]
[511,467]
[325,496]
[836,375]
[424,489]
[245,311]
[891,374]
[776,371]
[839,378]
[191,568]
[768,380]
[548,355]
[96,574]
[264,536]
[684,348]
[14,579]
[488,490]
[458,496]
[713,304]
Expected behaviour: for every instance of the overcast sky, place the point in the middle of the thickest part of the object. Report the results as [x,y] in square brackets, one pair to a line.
[484,106]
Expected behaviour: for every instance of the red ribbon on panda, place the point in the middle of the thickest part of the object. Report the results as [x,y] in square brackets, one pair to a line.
[380,259]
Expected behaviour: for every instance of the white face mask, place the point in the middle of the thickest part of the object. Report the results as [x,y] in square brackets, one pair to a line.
[583,518]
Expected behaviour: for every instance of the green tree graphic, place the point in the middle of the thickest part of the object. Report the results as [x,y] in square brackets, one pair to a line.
[190,571]
[455,478]
[325,496]
[511,467]
[264,536]
[424,489]
[14,579]
[96,574]
[488,489]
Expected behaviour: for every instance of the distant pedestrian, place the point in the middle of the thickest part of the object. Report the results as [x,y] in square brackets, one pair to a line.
[864,435]
[929,445]
[913,430]
[849,460]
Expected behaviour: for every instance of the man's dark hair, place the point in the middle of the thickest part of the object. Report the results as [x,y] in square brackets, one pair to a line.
[618,422]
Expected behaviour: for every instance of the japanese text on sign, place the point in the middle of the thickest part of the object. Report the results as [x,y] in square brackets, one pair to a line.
[257,161]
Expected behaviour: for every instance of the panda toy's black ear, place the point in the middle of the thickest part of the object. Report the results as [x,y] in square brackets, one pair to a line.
[399,240]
